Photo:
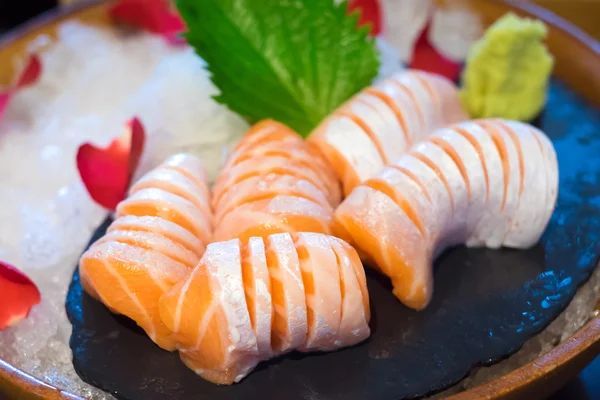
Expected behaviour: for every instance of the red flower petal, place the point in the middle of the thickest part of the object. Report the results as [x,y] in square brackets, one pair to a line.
[17,295]
[30,75]
[370,13]
[106,173]
[427,58]
[156,16]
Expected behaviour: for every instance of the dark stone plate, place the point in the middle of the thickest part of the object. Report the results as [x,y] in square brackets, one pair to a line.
[486,305]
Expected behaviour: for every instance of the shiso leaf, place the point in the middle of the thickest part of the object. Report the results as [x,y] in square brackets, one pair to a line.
[508,70]
[294,61]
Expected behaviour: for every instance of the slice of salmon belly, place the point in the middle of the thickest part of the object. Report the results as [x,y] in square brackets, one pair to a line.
[492,213]
[257,286]
[209,316]
[322,288]
[380,123]
[191,167]
[359,272]
[155,242]
[175,182]
[345,144]
[130,280]
[244,223]
[248,302]
[528,213]
[162,227]
[269,186]
[289,329]
[360,112]
[354,321]
[276,215]
[346,173]
[264,131]
[263,166]
[88,285]
[381,229]
[301,153]
[479,183]
[158,203]
[512,178]
[426,113]
[393,138]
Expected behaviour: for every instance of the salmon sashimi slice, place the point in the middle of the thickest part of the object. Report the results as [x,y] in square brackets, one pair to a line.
[269,186]
[491,165]
[130,280]
[209,317]
[264,131]
[349,150]
[177,183]
[248,302]
[162,227]
[444,96]
[382,230]
[377,125]
[484,182]
[191,167]
[265,165]
[392,136]
[359,271]
[257,286]
[321,279]
[409,101]
[155,242]
[162,204]
[534,208]
[509,158]
[354,321]
[267,135]
[289,329]
[88,286]
[300,152]
[276,215]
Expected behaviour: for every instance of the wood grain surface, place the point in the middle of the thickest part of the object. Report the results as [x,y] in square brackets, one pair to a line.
[583,13]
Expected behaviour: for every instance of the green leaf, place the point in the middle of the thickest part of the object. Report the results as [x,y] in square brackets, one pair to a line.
[294,61]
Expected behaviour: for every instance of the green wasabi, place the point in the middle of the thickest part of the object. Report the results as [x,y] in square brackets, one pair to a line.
[507,71]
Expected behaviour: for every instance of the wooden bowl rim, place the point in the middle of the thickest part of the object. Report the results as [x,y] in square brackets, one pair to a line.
[586,338]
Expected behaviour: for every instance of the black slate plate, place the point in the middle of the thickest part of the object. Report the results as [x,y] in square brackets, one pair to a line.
[486,305]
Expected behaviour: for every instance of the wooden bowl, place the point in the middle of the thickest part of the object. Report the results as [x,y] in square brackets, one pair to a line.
[577,64]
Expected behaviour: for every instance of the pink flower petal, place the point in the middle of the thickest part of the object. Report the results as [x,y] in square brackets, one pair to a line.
[106,173]
[156,16]
[31,73]
[427,58]
[18,294]
[370,13]
[29,76]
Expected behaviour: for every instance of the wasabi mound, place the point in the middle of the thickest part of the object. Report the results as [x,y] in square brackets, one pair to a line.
[507,71]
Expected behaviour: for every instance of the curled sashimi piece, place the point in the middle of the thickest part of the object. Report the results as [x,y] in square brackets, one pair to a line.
[269,186]
[249,301]
[377,125]
[274,182]
[130,280]
[277,146]
[160,233]
[274,215]
[483,183]
[209,317]
[179,184]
